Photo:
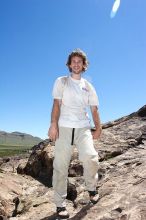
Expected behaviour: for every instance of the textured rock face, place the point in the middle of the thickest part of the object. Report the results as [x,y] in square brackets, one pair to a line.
[121,185]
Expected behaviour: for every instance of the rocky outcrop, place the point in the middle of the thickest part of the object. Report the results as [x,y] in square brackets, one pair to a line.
[121,185]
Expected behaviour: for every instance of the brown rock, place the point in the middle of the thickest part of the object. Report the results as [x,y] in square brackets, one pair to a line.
[121,185]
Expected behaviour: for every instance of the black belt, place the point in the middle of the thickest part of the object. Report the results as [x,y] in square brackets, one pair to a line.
[73,133]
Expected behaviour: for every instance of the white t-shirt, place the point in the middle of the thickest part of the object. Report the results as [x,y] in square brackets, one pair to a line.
[75,96]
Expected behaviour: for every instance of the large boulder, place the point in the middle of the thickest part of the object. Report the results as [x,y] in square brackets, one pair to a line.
[121,185]
[40,163]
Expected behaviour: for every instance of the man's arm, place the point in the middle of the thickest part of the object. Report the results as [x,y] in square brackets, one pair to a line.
[53,132]
[95,115]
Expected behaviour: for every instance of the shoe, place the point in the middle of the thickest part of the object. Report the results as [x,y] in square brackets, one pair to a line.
[94,196]
[62,212]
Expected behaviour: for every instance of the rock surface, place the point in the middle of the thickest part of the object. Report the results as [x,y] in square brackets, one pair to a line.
[25,184]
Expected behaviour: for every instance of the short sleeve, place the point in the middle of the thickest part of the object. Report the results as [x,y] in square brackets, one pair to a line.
[93,98]
[57,89]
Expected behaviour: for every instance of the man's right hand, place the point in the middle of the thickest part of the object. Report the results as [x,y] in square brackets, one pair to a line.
[53,132]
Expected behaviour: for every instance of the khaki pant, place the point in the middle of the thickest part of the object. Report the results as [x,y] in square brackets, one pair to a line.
[63,152]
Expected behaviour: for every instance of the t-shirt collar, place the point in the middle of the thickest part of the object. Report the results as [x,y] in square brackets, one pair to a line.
[75,80]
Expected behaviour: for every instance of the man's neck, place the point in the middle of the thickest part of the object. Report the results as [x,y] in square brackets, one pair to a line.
[76,76]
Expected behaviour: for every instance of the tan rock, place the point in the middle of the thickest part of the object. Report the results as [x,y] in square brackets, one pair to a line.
[121,185]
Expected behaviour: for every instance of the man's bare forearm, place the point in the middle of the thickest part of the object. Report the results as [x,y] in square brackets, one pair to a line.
[95,116]
[55,112]
[53,132]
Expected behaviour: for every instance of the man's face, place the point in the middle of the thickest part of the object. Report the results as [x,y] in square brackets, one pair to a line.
[76,64]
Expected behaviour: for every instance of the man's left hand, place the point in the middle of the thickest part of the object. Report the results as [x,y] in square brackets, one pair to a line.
[96,134]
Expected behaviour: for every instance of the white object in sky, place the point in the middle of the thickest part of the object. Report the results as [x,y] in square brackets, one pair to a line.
[115,8]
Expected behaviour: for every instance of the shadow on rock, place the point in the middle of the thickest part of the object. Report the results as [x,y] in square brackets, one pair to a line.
[78,216]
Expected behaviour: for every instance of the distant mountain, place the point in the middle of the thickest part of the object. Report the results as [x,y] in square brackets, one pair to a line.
[18,138]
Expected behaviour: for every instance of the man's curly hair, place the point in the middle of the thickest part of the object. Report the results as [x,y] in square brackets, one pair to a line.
[79,53]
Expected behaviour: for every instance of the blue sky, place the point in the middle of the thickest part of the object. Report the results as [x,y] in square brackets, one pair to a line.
[36,37]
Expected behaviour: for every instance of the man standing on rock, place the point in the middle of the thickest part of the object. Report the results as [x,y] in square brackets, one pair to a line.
[70,125]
